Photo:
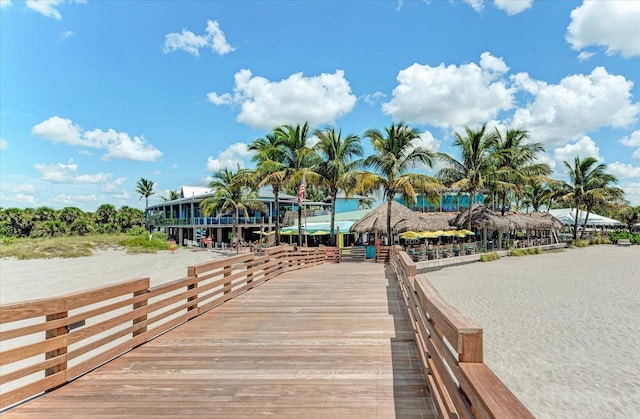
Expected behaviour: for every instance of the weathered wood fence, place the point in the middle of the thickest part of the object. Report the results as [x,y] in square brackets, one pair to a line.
[46,343]
[451,352]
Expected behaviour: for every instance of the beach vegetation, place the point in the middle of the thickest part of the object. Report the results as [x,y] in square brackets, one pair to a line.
[395,154]
[232,193]
[338,154]
[488,257]
[516,165]
[589,185]
[470,173]
[525,251]
[634,238]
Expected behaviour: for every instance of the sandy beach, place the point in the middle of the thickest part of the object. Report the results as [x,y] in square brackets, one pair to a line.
[22,280]
[562,330]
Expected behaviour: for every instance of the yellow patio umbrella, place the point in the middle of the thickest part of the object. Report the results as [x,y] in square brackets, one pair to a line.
[466,232]
[319,233]
[427,235]
[450,233]
[409,235]
[288,233]
[439,233]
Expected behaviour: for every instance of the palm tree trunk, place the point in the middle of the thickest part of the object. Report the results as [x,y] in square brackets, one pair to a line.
[236,226]
[389,199]
[575,222]
[471,196]
[504,202]
[584,225]
[334,194]
[276,191]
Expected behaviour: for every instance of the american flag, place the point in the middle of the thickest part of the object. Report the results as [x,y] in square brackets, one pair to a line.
[301,191]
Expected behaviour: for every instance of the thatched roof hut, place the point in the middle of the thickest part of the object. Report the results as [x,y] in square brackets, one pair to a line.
[481,217]
[402,219]
[439,220]
[534,221]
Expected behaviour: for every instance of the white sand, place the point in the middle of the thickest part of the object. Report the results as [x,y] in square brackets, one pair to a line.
[562,330]
[22,280]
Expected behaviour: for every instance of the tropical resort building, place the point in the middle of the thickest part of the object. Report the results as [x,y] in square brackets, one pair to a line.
[183,220]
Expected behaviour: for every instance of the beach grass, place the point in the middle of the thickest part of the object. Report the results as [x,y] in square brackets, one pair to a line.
[525,252]
[488,257]
[78,246]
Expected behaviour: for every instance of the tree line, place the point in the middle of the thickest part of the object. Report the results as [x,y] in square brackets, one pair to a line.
[503,166]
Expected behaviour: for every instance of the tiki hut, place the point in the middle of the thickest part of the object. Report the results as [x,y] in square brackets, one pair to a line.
[402,219]
[542,224]
[485,220]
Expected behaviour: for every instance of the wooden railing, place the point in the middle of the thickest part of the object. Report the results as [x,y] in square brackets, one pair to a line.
[451,352]
[46,343]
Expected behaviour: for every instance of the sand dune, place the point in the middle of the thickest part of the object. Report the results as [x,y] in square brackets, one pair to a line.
[562,330]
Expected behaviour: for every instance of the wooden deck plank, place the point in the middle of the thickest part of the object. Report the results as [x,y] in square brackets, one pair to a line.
[329,341]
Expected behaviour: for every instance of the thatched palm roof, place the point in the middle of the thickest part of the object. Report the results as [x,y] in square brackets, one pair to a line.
[439,220]
[481,217]
[402,219]
[535,220]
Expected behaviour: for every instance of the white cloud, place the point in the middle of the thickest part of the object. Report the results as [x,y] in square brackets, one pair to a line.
[426,139]
[5,3]
[174,166]
[513,7]
[230,158]
[452,95]
[45,7]
[68,173]
[27,199]
[611,24]
[27,187]
[192,43]
[623,170]
[297,99]
[584,55]
[578,104]
[633,141]
[119,145]
[372,98]
[632,193]
[113,187]
[67,200]
[477,5]
[3,144]
[66,35]
[585,147]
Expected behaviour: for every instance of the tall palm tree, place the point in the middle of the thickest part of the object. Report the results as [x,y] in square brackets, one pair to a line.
[232,194]
[337,154]
[144,187]
[587,180]
[298,160]
[516,165]
[470,172]
[269,171]
[394,155]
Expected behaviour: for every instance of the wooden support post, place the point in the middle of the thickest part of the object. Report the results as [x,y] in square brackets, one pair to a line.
[193,306]
[227,285]
[471,347]
[142,318]
[50,334]
[250,274]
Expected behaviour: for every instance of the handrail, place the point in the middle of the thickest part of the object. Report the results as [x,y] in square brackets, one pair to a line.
[451,352]
[78,332]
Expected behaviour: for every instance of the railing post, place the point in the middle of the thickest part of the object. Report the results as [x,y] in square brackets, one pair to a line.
[227,285]
[142,318]
[191,273]
[472,350]
[50,334]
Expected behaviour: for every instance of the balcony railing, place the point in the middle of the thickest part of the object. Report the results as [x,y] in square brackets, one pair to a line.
[205,221]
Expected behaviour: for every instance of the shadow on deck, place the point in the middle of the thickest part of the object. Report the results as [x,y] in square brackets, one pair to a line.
[330,341]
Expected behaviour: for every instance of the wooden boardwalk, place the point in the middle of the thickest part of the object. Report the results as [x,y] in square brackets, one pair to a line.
[331,341]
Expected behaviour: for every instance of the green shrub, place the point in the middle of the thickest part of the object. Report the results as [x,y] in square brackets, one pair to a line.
[488,257]
[142,244]
[137,231]
[581,243]
[526,251]
[634,238]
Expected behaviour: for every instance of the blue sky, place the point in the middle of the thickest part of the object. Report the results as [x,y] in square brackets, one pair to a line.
[97,94]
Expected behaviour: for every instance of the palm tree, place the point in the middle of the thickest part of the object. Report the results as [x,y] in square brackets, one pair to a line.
[394,156]
[588,178]
[231,195]
[337,159]
[269,171]
[516,165]
[470,172]
[172,194]
[144,187]
[297,160]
